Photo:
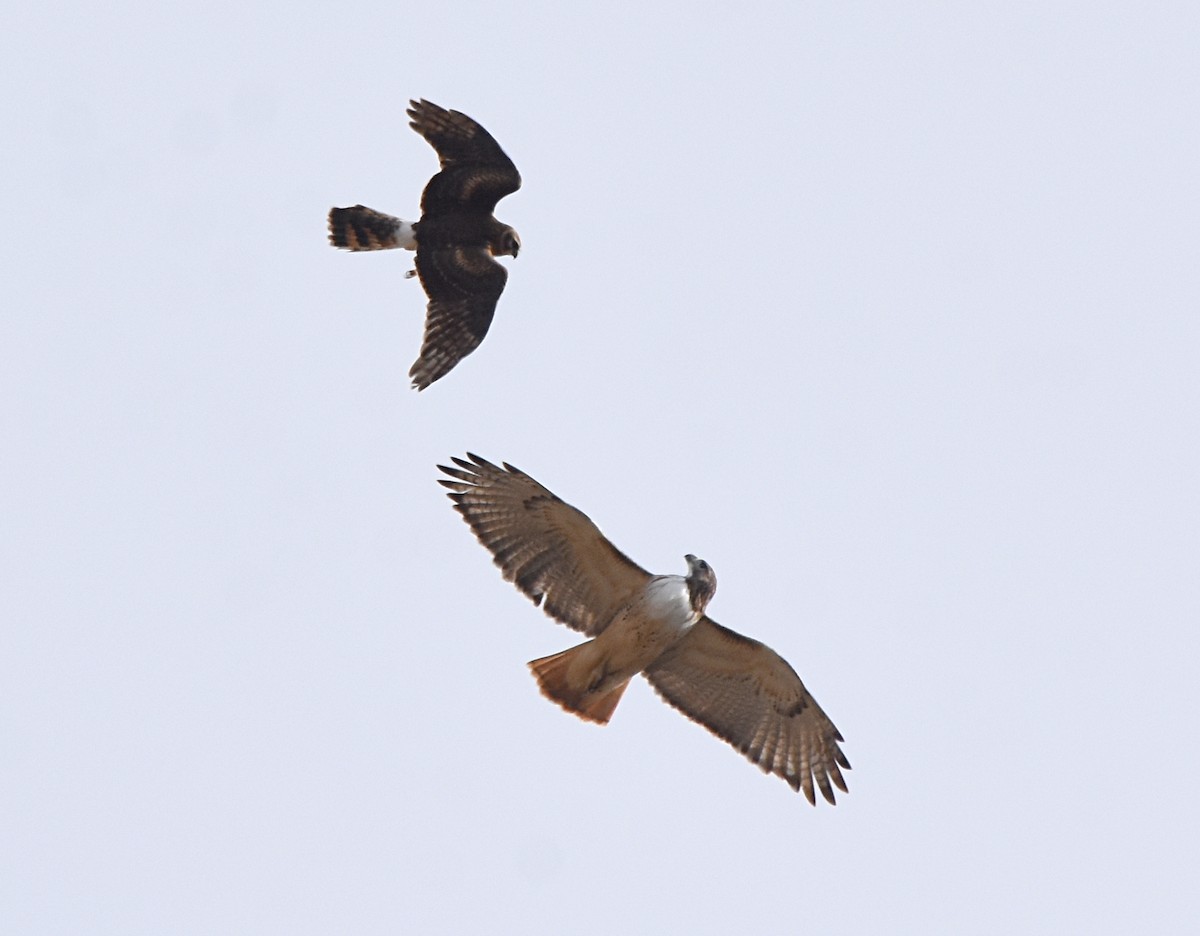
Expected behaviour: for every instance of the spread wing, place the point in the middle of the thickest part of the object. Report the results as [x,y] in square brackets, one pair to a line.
[475,174]
[463,284]
[747,694]
[543,545]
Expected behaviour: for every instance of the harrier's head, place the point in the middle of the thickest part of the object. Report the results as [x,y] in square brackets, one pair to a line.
[701,582]
[505,243]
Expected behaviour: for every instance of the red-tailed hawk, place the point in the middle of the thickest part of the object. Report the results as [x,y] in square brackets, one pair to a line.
[738,688]
[455,240]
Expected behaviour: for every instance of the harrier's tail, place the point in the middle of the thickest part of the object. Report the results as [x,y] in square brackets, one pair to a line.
[361,228]
[554,677]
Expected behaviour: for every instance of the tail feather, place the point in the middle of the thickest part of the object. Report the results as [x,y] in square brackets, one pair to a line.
[554,679]
[362,228]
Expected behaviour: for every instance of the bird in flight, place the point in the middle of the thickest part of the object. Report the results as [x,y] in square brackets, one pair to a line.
[737,688]
[456,239]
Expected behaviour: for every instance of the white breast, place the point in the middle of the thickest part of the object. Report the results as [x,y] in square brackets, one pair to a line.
[667,602]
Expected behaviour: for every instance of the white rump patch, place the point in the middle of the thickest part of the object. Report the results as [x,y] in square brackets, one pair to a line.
[405,234]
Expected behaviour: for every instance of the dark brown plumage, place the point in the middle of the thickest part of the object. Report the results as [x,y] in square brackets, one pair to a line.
[456,239]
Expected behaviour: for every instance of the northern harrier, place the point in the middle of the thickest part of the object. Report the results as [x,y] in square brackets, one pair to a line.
[455,240]
[737,688]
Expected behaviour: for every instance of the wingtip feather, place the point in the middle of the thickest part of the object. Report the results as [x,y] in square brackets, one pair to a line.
[482,462]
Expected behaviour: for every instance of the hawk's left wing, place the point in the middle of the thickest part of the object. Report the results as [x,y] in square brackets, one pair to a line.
[747,694]
[543,545]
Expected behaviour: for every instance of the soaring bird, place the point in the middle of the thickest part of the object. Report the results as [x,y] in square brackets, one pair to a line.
[455,240]
[739,689]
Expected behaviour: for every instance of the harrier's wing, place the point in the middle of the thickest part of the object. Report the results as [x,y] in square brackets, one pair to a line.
[543,545]
[463,284]
[475,174]
[747,694]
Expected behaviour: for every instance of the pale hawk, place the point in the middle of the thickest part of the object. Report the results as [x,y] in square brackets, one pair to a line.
[738,688]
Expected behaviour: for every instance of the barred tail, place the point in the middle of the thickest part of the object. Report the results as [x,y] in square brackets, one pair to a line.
[362,228]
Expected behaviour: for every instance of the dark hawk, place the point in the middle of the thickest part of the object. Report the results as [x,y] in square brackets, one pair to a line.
[456,239]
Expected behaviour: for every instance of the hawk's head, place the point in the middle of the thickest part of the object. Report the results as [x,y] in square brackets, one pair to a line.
[701,583]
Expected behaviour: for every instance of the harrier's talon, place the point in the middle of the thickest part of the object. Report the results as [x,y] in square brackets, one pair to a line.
[409,274]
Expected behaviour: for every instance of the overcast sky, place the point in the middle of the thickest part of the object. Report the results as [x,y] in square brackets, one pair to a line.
[891,312]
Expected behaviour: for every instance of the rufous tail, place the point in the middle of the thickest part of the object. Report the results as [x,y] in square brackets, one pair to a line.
[553,676]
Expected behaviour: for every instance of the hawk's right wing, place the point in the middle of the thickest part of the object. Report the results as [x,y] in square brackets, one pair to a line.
[747,694]
[548,549]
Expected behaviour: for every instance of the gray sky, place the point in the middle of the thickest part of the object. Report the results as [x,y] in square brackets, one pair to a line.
[891,315]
